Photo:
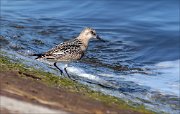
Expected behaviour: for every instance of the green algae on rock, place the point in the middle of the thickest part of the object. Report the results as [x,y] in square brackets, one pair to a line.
[6,64]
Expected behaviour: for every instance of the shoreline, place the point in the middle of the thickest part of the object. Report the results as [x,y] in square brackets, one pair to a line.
[57,93]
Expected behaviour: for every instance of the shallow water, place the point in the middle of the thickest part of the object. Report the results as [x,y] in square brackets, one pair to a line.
[139,62]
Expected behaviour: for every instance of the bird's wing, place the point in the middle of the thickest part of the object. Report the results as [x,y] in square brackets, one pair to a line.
[68,48]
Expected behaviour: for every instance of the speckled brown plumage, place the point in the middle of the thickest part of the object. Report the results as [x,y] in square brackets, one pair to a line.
[68,51]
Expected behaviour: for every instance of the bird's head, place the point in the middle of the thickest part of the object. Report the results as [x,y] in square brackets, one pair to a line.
[89,33]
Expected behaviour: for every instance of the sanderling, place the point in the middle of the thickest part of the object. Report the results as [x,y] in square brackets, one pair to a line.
[72,50]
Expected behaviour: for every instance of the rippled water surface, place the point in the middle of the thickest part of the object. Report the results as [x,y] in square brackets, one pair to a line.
[139,60]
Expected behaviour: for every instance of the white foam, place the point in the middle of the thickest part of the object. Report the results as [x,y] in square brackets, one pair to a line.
[80,72]
[166,81]
[168,64]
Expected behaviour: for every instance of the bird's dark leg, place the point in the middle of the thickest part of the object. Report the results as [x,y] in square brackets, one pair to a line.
[65,69]
[58,68]
[66,72]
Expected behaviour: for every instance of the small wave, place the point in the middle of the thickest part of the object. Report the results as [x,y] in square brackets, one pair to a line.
[166,79]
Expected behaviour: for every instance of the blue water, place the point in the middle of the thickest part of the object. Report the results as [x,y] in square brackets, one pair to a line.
[140,60]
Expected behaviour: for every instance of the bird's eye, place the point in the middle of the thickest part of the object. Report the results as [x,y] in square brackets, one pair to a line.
[93,33]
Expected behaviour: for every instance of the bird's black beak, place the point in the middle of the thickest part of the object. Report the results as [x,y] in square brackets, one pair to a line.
[99,38]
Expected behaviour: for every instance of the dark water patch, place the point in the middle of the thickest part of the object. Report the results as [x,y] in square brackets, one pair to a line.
[16,36]
[129,86]
[3,42]
[17,26]
[16,47]
[45,32]
[37,42]
[117,67]
[173,101]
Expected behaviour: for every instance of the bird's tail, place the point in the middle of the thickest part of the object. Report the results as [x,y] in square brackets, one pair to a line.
[38,55]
